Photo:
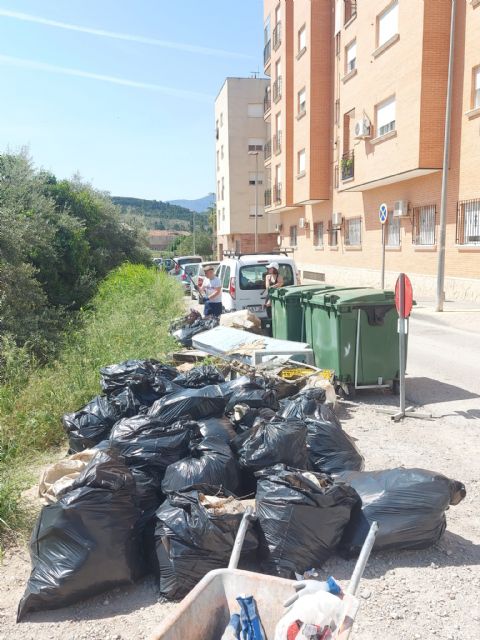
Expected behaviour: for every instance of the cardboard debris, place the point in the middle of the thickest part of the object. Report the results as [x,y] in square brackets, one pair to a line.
[60,475]
[243,319]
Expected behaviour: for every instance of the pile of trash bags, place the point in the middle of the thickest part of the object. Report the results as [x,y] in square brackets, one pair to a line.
[183,329]
[165,464]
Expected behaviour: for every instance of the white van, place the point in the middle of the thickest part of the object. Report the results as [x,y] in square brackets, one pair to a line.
[243,280]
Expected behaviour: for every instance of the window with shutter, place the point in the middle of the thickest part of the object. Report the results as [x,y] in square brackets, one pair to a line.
[385,115]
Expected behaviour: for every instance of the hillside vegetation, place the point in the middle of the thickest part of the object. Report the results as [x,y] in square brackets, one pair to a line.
[155,214]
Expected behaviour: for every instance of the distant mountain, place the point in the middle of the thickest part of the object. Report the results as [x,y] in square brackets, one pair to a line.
[200,205]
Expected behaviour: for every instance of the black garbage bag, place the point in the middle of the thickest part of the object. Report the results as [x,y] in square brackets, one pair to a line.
[244,417]
[148,380]
[408,504]
[206,402]
[200,377]
[192,540]
[87,542]
[92,424]
[302,516]
[235,384]
[270,443]
[305,404]
[148,443]
[211,462]
[185,334]
[330,449]
[254,397]
[220,428]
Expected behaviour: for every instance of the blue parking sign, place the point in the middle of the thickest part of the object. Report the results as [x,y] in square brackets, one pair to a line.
[383,213]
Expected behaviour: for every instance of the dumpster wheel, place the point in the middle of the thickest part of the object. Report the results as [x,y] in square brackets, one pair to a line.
[346,390]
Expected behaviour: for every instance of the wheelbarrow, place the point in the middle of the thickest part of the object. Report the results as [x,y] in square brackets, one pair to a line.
[205,612]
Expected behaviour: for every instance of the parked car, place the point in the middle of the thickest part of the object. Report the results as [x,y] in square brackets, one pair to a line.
[180,261]
[198,274]
[184,275]
[243,280]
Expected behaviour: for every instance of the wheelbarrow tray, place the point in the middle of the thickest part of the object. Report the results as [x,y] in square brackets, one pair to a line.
[205,612]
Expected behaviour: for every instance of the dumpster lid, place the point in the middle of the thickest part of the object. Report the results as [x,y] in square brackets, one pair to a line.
[354,297]
[295,291]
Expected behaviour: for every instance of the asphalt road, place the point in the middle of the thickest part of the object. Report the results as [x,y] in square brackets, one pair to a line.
[443,364]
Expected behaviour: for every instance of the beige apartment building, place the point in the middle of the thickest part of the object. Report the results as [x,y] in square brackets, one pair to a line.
[241,134]
[356,110]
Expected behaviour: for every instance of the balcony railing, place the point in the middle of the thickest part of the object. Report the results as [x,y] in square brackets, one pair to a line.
[348,165]
[267,99]
[277,142]
[277,35]
[268,197]
[350,10]
[277,192]
[267,52]
[277,89]
[268,149]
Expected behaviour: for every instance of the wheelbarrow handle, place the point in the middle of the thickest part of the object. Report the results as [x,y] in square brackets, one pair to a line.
[362,559]
[248,516]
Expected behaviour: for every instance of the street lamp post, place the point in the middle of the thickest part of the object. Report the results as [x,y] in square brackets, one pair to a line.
[446,156]
[255,153]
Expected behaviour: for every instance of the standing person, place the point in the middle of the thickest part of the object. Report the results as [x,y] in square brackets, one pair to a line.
[273,281]
[212,291]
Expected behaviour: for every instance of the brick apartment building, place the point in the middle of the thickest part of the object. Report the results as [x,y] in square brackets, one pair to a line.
[241,133]
[356,111]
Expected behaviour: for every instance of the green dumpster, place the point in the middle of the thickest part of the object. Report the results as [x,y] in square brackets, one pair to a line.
[354,332]
[307,310]
[288,312]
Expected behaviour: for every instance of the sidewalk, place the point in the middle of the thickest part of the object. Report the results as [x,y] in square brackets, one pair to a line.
[457,314]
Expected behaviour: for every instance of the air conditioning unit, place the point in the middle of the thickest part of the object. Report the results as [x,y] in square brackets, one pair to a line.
[400,209]
[278,227]
[363,128]
[337,219]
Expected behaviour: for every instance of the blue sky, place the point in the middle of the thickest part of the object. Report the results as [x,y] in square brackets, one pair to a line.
[122,91]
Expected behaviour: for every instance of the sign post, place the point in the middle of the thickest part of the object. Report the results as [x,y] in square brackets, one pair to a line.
[403,304]
[383,217]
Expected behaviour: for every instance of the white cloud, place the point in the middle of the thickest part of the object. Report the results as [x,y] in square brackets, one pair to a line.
[181,46]
[51,68]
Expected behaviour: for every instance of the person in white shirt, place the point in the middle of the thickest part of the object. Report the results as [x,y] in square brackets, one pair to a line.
[212,291]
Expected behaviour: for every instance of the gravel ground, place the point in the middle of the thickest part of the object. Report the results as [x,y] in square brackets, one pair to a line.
[424,594]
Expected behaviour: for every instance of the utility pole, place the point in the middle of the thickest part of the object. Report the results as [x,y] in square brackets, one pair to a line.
[193,234]
[446,159]
[255,153]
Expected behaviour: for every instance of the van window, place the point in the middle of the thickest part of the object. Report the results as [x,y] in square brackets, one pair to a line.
[220,271]
[286,271]
[252,277]
[183,261]
[226,278]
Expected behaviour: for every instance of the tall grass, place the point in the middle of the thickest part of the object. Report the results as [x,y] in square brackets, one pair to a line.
[128,318]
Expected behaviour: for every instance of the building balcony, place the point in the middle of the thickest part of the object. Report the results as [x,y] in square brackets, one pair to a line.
[277,193]
[277,36]
[267,100]
[268,197]
[267,52]
[277,142]
[267,149]
[277,89]
[348,166]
